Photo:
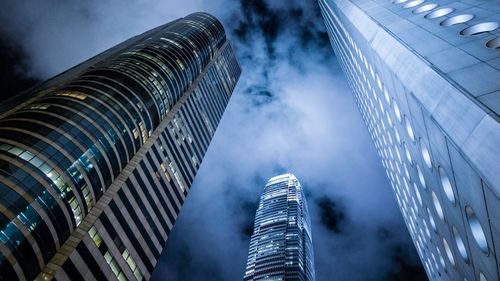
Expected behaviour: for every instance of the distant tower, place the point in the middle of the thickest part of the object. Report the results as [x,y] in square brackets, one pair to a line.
[281,244]
[96,163]
[426,78]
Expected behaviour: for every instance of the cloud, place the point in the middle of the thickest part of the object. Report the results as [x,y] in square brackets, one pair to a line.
[292,111]
[332,214]
[56,35]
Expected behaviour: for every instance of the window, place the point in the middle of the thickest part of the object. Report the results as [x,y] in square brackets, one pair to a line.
[396,110]
[407,152]
[446,185]
[437,206]
[95,236]
[409,129]
[75,95]
[460,244]
[448,252]
[425,153]
[476,229]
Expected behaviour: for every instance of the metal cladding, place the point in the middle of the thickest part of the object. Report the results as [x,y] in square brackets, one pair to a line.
[281,245]
[426,78]
[96,162]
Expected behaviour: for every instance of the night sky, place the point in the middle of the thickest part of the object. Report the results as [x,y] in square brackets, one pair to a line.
[292,111]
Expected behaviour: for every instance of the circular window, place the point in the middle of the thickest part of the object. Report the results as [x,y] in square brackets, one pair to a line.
[437,206]
[441,260]
[409,129]
[439,13]
[425,153]
[421,178]
[481,277]
[448,252]
[431,219]
[386,95]
[457,19]
[407,152]
[396,135]
[425,8]
[396,110]
[446,184]
[407,173]
[426,228]
[493,43]
[434,263]
[479,28]
[460,244]
[398,154]
[417,192]
[388,116]
[412,4]
[476,229]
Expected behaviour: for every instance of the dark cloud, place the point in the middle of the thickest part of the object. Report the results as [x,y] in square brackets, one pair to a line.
[406,266]
[13,69]
[292,111]
[332,214]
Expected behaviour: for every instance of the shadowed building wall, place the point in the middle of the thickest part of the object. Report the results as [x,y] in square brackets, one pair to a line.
[426,78]
[96,162]
[281,245]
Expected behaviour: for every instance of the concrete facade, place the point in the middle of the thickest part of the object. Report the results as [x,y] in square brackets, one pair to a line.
[426,78]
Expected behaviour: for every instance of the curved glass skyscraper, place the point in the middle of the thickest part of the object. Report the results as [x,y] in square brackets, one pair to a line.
[426,77]
[96,162]
[281,245]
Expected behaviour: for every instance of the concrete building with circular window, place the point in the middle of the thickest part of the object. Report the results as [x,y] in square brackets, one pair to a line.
[426,74]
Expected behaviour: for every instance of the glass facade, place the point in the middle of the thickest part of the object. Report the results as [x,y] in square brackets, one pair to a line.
[96,162]
[426,79]
[281,245]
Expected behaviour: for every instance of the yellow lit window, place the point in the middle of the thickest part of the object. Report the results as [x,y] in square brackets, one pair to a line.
[143,131]
[39,106]
[75,95]
[164,169]
[136,133]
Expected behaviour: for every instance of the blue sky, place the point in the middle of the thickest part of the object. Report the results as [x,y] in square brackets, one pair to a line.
[292,111]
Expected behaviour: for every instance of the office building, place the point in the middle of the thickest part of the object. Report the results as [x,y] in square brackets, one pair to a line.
[426,78]
[96,163]
[281,245]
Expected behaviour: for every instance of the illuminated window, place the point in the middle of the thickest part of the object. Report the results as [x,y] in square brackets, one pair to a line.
[164,169]
[64,190]
[38,106]
[144,132]
[95,236]
[75,95]
[135,131]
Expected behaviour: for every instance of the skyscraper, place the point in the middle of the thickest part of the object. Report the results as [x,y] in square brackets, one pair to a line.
[96,162]
[426,78]
[281,245]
